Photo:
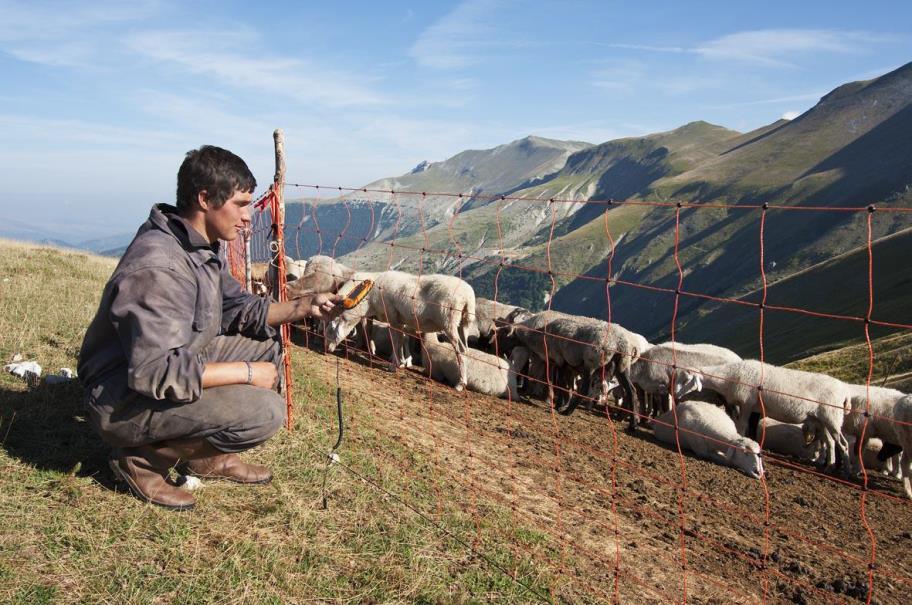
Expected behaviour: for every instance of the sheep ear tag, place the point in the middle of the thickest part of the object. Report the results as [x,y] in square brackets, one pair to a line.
[357,294]
[698,382]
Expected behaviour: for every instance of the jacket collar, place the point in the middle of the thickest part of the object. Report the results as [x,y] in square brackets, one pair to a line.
[164,217]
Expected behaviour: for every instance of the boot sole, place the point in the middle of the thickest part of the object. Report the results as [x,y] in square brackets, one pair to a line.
[123,478]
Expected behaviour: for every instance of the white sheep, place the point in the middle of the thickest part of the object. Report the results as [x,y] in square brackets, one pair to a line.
[486,373]
[576,345]
[708,432]
[295,269]
[786,438]
[902,413]
[321,274]
[881,416]
[652,372]
[384,340]
[489,314]
[429,303]
[788,396]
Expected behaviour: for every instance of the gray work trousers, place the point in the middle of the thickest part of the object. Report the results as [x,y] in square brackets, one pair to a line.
[232,418]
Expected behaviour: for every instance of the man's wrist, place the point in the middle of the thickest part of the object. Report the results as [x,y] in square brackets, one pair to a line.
[305,307]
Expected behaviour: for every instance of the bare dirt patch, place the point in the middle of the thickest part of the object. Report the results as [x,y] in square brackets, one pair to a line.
[613,504]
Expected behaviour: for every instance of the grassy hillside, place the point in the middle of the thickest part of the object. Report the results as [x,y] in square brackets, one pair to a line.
[849,138]
[68,537]
[571,254]
[487,171]
[837,286]
[850,149]
[892,362]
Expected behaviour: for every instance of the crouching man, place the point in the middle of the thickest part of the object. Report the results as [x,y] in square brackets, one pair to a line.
[180,363]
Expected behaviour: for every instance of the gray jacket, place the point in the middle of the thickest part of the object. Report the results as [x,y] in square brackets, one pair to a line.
[169,296]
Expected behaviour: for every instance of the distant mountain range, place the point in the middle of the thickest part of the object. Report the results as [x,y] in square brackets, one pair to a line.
[851,149]
[17,229]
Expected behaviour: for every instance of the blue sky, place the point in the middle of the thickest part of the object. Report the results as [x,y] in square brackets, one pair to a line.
[101,99]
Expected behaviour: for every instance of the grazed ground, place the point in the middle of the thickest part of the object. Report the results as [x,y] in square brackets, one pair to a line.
[613,503]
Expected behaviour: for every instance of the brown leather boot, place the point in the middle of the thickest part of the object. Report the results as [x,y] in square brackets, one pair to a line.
[145,471]
[211,463]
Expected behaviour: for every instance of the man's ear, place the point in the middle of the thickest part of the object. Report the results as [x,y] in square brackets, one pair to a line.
[202,198]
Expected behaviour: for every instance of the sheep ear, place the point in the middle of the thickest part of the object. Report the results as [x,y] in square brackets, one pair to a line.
[505,331]
[698,382]
[809,435]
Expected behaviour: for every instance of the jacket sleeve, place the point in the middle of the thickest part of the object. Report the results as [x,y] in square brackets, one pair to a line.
[243,312]
[152,312]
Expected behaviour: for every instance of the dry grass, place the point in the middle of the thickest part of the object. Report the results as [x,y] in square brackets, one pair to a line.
[437,493]
[66,535]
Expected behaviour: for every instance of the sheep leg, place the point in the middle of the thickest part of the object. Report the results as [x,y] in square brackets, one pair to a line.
[394,348]
[843,447]
[463,341]
[896,466]
[630,395]
[570,400]
[456,338]
[907,474]
[463,374]
[830,447]
[551,376]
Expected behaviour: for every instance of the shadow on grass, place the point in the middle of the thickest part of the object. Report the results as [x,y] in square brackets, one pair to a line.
[46,427]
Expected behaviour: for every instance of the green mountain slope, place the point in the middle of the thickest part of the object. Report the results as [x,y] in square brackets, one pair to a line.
[892,362]
[364,217]
[849,149]
[838,286]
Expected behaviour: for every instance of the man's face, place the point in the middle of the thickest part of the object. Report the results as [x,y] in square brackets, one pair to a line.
[227,221]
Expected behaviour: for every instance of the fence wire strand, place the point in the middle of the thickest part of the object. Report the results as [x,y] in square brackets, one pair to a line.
[469,443]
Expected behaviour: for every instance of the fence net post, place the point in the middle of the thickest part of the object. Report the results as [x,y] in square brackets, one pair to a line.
[277,266]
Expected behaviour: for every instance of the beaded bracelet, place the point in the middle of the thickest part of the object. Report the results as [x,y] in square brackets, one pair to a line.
[249,372]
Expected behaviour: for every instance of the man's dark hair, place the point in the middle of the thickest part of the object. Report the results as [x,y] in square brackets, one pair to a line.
[214,170]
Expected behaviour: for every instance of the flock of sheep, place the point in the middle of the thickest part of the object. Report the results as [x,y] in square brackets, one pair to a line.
[724,402]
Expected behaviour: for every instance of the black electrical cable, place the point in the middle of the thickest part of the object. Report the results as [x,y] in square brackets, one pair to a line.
[332,456]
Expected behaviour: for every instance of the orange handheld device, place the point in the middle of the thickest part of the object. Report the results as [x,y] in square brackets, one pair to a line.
[357,294]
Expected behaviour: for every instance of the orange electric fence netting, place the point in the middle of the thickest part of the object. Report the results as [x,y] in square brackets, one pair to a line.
[621,520]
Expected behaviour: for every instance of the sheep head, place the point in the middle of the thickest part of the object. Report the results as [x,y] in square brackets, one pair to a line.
[744,455]
[686,383]
[338,329]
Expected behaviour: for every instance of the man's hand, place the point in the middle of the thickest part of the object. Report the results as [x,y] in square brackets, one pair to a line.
[326,306]
[323,306]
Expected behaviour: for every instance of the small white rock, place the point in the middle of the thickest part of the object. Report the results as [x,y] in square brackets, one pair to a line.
[190,482]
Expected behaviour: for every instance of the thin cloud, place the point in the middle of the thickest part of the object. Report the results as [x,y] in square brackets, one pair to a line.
[29,130]
[459,39]
[619,76]
[210,54]
[811,96]
[648,47]
[70,35]
[628,77]
[773,47]
[790,115]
